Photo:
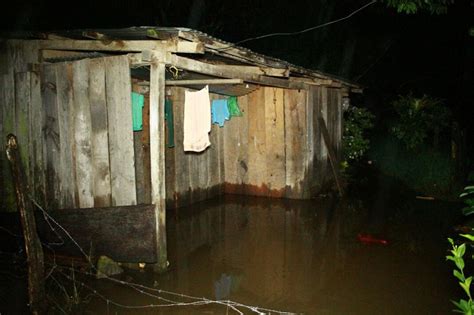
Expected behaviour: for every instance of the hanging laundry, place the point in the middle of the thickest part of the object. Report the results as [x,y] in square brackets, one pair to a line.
[233,107]
[220,112]
[138,101]
[169,122]
[197,120]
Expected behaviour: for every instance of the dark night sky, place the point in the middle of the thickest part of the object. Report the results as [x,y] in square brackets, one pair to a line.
[388,52]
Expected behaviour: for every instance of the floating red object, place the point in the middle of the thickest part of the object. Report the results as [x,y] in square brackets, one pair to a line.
[370,239]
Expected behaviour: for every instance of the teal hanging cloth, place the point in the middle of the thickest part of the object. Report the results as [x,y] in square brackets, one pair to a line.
[138,101]
[233,107]
[169,122]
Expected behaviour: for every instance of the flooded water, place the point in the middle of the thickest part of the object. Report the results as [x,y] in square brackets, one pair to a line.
[301,257]
[305,257]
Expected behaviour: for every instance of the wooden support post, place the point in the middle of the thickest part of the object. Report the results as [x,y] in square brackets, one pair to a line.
[332,154]
[34,251]
[157,158]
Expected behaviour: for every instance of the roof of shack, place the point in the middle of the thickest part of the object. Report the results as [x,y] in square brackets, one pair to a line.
[216,51]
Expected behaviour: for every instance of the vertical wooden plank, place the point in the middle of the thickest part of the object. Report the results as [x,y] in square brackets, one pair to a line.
[66,114]
[324,115]
[257,167]
[22,105]
[51,135]
[338,122]
[36,139]
[181,165]
[170,167]
[119,113]
[157,155]
[231,150]
[100,140]
[82,133]
[243,140]
[310,144]
[275,141]
[146,150]
[295,142]
[139,169]
[213,161]
[3,161]
[221,154]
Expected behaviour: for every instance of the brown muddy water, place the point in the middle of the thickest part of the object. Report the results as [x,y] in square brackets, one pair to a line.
[300,257]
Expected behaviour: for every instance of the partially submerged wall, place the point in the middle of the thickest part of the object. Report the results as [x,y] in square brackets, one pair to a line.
[275,149]
[73,123]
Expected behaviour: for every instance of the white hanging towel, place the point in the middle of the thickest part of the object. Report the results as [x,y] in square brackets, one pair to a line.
[197,120]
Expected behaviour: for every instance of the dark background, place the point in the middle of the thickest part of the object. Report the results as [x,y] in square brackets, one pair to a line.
[389,53]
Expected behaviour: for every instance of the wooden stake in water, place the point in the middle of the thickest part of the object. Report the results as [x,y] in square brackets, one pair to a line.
[34,251]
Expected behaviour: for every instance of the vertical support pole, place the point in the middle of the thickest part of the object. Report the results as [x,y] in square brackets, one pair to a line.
[157,158]
[34,251]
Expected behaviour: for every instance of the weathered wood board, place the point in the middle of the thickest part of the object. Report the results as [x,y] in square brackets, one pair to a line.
[125,233]
[121,153]
[100,140]
[67,145]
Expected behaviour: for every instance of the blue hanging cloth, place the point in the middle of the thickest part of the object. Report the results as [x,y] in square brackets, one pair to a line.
[219,112]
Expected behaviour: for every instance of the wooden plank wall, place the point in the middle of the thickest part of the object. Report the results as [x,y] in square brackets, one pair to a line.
[262,153]
[269,151]
[74,126]
[192,177]
[276,149]
[75,118]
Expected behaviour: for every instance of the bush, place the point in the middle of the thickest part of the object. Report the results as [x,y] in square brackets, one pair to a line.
[418,119]
[357,121]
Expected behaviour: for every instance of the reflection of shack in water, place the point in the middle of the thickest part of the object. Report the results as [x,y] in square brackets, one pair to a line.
[256,247]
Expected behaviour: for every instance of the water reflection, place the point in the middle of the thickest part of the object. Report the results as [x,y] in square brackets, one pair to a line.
[298,256]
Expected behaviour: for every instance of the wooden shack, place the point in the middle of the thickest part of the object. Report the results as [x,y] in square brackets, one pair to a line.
[67,97]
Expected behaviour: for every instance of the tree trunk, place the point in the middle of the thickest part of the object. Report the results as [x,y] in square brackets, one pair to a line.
[34,251]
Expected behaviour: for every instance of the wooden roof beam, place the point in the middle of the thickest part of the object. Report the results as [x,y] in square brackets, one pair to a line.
[225,71]
[121,45]
[204,82]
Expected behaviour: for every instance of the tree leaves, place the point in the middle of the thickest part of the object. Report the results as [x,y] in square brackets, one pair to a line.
[414,6]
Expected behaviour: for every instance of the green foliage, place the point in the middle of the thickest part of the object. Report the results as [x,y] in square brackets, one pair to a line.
[463,306]
[468,196]
[419,118]
[457,257]
[357,121]
[428,171]
[413,6]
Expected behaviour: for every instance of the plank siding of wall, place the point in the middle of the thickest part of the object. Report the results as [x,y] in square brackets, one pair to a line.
[51,135]
[190,176]
[69,159]
[3,159]
[277,157]
[83,134]
[22,106]
[275,141]
[295,140]
[119,113]
[84,155]
[9,126]
[100,140]
[66,111]
[257,166]
[38,150]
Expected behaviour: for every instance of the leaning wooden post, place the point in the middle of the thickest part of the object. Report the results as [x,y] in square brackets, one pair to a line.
[34,251]
[157,158]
